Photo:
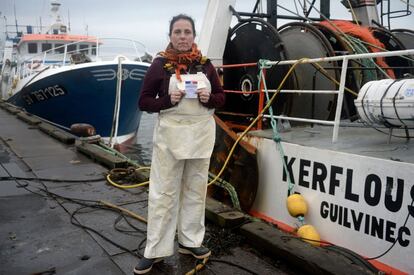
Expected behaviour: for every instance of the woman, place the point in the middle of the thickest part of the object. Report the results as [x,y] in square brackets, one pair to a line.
[184,88]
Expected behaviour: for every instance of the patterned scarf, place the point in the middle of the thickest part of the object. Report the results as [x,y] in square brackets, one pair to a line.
[180,60]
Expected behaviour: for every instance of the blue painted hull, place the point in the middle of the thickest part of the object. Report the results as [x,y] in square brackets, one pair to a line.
[86,95]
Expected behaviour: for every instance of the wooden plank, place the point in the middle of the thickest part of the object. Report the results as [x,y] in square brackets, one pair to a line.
[223,215]
[311,259]
[101,156]
[28,118]
[11,109]
[57,133]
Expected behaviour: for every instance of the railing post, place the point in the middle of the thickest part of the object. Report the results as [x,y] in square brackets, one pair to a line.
[136,50]
[97,48]
[261,100]
[65,52]
[340,99]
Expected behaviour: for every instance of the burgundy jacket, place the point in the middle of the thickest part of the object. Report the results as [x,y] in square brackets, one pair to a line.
[156,82]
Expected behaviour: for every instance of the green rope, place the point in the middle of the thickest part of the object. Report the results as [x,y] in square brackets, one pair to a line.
[114,152]
[359,48]
[301,219]
[229,188]
[408,58]
[263,64]
[364,49]
[276,136]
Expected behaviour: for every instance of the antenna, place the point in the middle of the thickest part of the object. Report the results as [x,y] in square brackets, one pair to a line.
[5,25]
[305,9]
[15,18]
[68,21]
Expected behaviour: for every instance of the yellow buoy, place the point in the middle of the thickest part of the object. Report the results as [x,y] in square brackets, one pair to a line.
[309,234]
[296,205]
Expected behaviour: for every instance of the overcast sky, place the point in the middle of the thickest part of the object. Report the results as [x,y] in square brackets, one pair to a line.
[143,20]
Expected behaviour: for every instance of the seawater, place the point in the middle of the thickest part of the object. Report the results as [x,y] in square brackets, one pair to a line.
[141,149]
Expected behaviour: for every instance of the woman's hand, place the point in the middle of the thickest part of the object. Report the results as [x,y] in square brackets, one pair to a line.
[203,95]
[176,96]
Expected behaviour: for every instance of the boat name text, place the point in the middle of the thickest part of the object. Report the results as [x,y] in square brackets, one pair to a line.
[329,179]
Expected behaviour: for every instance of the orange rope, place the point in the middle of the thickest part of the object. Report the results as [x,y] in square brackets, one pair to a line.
[362,33]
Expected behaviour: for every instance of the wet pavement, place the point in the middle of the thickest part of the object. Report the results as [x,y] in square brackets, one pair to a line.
[52,221]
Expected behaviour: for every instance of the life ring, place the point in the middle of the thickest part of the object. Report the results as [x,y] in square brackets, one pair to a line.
[34,65]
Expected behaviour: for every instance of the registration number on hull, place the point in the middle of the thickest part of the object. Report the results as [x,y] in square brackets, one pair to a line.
[44,94]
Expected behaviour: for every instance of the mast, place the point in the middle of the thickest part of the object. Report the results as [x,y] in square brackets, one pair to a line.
[15,19]
[216,23]
[325,9]
[57,26]
[364,11]
[272,12]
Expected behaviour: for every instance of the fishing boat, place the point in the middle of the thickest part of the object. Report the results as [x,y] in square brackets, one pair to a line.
[70,79]
[321,112]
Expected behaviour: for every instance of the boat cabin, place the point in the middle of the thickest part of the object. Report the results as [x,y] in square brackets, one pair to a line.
[54,48]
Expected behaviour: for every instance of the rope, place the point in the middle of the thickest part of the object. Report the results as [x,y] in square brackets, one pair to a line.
[353,13]
[198,267]
[122,172]
[369,62]
[229,188]
[114,152]
[276,135]
[326,74]
[358,47]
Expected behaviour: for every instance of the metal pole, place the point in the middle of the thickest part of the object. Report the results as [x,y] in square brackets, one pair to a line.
[44,58]
[325,9]
[117,107]
[341,57]
[65,52]
[136,50]
[340,100]
[261,99]
[97,48]
[272,12]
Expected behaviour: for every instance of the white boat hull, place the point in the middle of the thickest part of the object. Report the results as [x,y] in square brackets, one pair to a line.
[354,201]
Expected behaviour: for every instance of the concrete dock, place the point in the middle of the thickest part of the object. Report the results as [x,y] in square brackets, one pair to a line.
[47,187]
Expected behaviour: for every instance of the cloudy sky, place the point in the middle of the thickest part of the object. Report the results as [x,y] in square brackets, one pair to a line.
[142,20]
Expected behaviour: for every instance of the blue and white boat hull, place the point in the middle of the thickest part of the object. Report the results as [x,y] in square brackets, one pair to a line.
[85,93]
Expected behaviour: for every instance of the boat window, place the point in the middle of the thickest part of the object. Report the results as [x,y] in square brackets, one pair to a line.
[83,48]
[46,46]
[59,48]
[71,48]
[93,50]
[32,47]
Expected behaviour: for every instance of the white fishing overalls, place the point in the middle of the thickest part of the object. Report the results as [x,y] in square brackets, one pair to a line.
[183,140]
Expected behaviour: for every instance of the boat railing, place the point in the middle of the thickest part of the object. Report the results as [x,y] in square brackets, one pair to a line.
[340,92]
[99,49]
[132,49]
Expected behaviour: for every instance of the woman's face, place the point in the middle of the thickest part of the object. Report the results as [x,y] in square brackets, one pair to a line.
[182,35]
